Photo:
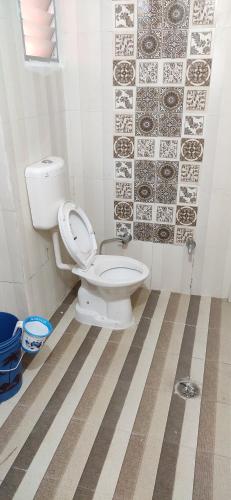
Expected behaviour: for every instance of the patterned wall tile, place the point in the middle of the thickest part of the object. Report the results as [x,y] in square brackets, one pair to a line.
[174,43]
[171,99]
[189,173]
[173,72]
[124,72]
[196,100]
[194,125]
[203,12]
[165,214]
[145,170]
[123,169]
[123,147]
[201,42]
[192,149]
[167,171]
[170,124]
[166,193]
[143,212]
[149,14]
[124,45]
[124,15]
[148,72]
[145,148]
[168,149]
[123,190]
[143,231]
[123,123]
[176,13]
[163,233]
[182,234]
[146,124]
[144,192]
[147,99]
[198,72]
[124,98]
[123,210]
[123,227]
[149,44]
[186,216]
[188,195]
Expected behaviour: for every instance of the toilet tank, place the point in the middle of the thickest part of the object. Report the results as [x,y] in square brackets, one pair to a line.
[47,189]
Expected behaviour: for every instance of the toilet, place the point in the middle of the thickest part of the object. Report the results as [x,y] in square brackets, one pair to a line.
[107,281]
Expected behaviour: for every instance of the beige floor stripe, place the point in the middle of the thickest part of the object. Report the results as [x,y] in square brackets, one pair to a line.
[41,460]
[110,472]
[183,487]
[37,363]
[19,433]
[152,449]
[65,488]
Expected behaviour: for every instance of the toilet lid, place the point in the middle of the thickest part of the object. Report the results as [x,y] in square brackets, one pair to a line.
[77,234]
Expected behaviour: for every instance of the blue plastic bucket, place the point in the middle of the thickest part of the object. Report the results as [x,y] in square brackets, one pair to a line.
[35,331]
[10,356]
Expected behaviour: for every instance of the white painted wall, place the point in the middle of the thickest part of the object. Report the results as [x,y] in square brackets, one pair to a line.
[32,126]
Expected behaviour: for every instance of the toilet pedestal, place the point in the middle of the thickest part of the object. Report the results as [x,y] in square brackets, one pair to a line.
[115,314]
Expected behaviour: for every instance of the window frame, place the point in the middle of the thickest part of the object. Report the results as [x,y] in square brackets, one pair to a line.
[31,59]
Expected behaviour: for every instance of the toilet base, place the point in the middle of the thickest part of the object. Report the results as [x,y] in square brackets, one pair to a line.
[92,308]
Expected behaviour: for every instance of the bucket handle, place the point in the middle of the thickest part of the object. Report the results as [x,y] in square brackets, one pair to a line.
[18,325]
[15,368]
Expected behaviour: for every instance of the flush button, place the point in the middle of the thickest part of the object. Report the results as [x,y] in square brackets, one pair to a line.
[46,161]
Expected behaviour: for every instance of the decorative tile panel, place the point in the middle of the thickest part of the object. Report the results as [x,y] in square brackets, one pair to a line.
[162,63]
[123,227]
[123,169]
[203,12]
[123,98]
[196,100]
[143,212]
[124,15]
[173,72]
[148,72]
[123,123]
[124,45]
[201,42]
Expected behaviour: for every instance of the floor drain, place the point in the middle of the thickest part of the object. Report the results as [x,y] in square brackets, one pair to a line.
[187,389]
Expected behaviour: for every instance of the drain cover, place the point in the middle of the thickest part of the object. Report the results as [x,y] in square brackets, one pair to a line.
[187,389]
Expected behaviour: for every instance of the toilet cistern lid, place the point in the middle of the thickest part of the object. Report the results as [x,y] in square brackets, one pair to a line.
[77,234]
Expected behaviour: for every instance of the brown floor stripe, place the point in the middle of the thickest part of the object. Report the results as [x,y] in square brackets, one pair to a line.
[165,477]
[34,440]
[129,471]
[105,434]
[204,465]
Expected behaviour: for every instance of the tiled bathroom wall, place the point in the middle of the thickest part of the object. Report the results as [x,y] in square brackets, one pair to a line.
[162,61]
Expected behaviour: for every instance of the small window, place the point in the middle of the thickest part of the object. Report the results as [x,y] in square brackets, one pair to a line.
[39,30]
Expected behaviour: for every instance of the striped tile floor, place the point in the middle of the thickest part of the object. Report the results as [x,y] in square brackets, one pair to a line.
[97,416]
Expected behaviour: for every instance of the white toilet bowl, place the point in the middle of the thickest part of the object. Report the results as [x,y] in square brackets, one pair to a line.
[107,281]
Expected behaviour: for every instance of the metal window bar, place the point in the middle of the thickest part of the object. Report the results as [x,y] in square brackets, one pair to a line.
[54,57]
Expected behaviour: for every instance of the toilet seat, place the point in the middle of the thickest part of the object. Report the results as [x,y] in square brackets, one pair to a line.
[77,234]
[100,270]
